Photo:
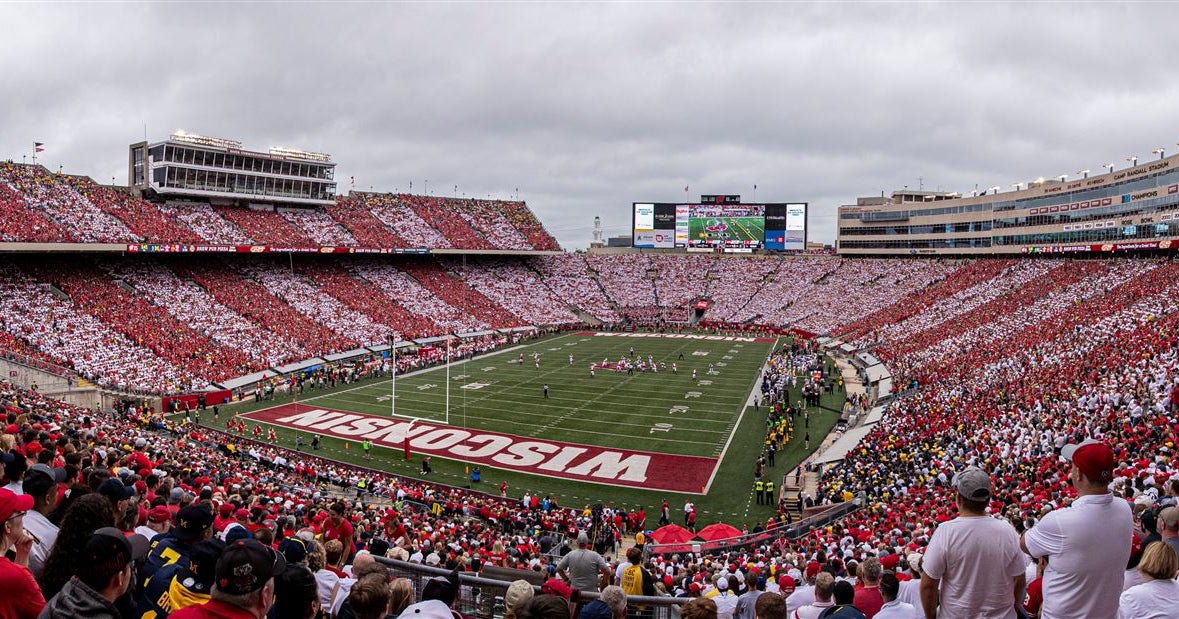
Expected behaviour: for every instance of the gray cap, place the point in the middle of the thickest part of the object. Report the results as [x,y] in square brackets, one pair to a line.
[972,483]
[58,474]
[582,538]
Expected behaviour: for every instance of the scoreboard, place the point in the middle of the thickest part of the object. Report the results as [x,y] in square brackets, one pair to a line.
[720,223]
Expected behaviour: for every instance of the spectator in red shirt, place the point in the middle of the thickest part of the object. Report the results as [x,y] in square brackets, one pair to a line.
[868,599]
[22,597]
[338,528]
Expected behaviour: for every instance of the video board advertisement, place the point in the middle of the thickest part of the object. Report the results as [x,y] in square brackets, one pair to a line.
[654,225]
[786,227]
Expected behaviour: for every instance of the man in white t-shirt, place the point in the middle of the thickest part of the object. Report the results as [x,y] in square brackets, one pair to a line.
[1088,543]
[973,566]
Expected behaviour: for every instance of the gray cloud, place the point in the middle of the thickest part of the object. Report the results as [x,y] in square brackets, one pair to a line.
[586,108]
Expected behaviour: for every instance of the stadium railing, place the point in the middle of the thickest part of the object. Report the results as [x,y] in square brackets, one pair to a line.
[483,598]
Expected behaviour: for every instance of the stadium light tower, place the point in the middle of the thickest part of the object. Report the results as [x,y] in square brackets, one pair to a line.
[994,189]
[1017,186]
[1084,172]
[1108,166]
[1159,151]
[1062,177]
[1133,159]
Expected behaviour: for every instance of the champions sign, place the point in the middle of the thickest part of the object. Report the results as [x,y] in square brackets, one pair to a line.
[636,469]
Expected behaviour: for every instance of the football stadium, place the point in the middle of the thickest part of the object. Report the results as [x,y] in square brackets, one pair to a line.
[240,385]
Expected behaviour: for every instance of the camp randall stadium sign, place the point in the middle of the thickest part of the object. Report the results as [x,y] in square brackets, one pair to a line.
[588,463]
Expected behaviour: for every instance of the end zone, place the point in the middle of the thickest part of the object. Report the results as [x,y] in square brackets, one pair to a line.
[676,336]
[587,463]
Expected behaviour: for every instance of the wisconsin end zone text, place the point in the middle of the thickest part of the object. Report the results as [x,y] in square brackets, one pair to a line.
[654,471]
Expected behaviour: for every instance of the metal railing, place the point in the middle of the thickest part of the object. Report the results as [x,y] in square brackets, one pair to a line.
[483,598]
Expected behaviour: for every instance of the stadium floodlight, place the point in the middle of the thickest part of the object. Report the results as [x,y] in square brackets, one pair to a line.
[1084,172]
[295,153]
[1017,186]
[1108,166]
[1159,151]
[180,135]
[1062,177]
[1133,159]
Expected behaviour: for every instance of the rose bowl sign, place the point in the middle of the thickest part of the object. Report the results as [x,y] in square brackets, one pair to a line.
[589,463]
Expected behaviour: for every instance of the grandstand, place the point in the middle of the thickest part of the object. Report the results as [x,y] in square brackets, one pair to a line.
[996,354]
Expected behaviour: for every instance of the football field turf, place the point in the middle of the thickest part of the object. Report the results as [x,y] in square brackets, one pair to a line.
[636,438]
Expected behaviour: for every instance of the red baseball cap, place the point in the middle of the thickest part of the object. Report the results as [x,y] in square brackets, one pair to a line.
[11,502]
[159,513]
[1094,459]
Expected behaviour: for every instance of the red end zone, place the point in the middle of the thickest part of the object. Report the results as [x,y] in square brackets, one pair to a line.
[589,463]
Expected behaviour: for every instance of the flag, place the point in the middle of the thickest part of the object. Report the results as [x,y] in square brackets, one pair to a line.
[685,189]
[755,187]
[38,147]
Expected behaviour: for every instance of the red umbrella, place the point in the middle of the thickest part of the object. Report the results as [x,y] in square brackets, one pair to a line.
[719,530]
[672,534]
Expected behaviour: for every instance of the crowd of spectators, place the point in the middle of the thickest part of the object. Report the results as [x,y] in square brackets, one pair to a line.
[18,222]
[368,300]
[439,215]
[97,293]
[514,286]
[1077,350]
[569,279]
[206,222]
[37,205]
[626,278]
[359,215]
[265,226]
[526,222]
[319,227]
[194,306]
[316,304]
[49,194]
[407,292]
[486,218]
[149,223]
[458,294]
[74,338]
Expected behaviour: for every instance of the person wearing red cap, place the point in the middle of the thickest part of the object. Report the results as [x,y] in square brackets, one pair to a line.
[159,521]
[22,597]
[1087,544]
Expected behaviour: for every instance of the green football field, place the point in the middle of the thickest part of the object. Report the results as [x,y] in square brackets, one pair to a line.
[734,228]
[658,412]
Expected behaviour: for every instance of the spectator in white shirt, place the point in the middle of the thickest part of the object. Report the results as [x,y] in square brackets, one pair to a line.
[893,608]
[1157,597]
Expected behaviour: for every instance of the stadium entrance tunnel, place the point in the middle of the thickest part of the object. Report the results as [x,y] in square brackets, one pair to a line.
[699,308]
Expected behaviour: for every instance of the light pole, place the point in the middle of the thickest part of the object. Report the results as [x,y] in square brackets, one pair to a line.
[1108,167]
[1085,172]
[1133,159]
[1159,151]
[1062,177]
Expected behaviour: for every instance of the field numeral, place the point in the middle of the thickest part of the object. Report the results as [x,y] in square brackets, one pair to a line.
[704,383]
[693,394]
[661,427]
[678,408]
[427,387]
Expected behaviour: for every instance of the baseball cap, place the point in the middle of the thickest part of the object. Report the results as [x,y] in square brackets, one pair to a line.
[294,549]
[442,588]
[519,592]
[582,538]
[115,490]
[972,483]
[109,543]
[556,586]
[175,495]
[427,609]
[722,583]
[785,581]
[246,566]
[192,522]
[40,479]
[11,503]
[1169,517]
[1093,458]
[159,513]
[202,565]
[141,442]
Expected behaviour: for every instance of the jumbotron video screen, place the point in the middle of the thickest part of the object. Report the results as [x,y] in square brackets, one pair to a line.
[721,225]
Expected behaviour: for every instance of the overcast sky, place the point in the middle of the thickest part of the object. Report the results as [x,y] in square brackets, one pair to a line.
[586,108]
